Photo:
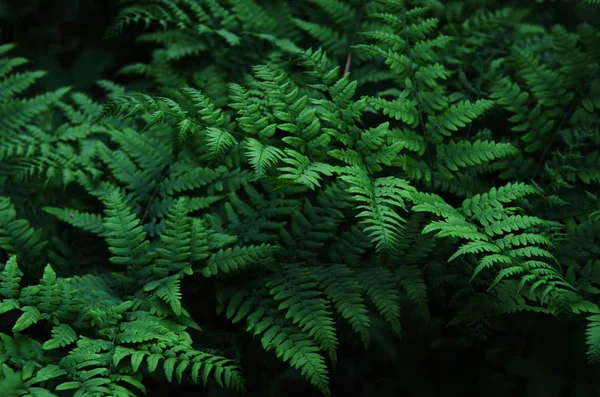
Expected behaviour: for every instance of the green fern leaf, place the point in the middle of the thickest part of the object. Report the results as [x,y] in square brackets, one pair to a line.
[30,315]
[10,279]
[168,289]
[62,335]
[125,237]
[173,254]
[237,258]
[380,287]
[455,117]
[384,225]
[262,156]
[294,289]
[340,286]
[218,141]
[302,170]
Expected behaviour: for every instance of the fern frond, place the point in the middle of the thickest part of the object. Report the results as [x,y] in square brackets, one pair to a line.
[277,333]
[378,282]
[454,117]
[235,259]
[294,288]
[62,335]
[20,112]
[218,140]
[9,279]
[410,277]
[262,156]
[400,109]
[467,154]
[18,82]
[384,225]
[17,236]
[302,170]
[173,254]
[593,338]
[340,286]
[188,180]
[125,236]
[89,222]
[169,290]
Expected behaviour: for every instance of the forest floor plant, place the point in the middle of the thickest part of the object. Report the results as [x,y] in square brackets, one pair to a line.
[311,169]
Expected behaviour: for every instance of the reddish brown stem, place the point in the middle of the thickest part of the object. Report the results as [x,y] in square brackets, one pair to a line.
[348,60]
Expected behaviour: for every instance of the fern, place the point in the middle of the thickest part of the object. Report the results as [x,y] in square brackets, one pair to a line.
[331,170]
[125,236]
[494,219]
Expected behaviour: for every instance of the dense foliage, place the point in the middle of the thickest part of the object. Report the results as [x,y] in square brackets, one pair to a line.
[355,186]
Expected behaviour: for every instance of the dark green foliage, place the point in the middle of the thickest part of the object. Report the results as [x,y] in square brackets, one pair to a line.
[315,169]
